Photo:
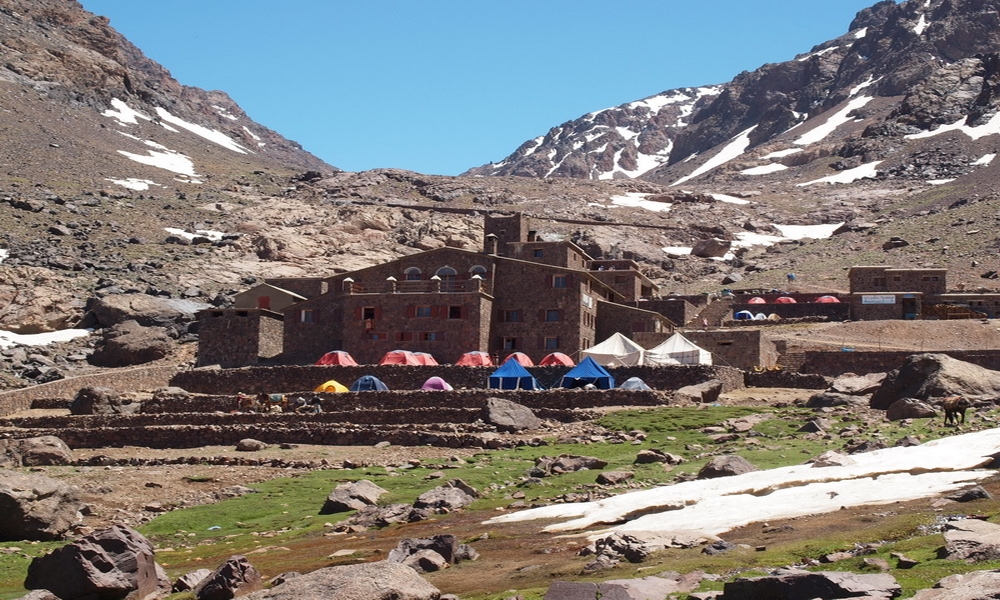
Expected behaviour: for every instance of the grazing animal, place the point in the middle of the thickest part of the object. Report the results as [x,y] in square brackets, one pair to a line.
[954,408]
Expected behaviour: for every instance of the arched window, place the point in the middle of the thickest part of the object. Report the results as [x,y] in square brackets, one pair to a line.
[477,270]
[411,274]
[447,275]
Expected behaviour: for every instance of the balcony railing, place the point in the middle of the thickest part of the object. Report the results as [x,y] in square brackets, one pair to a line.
[416,287]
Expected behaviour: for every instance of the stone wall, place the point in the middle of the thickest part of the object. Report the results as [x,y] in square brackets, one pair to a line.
[123,380]
[290,379]
[786,379]
[834,364]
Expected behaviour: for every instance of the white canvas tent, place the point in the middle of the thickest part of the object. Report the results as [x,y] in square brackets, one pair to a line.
[617,350]
[678,349]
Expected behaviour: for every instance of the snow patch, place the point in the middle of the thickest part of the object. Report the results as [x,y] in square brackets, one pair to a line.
[985,160]
[729,199]
[781,153]
[711,507]
[871,79]
[991,127]
[206,233]
[209,134]
[860,33]
[133,183]
[818,53]
[4,253]
[9,338]
[122,113]
[865,171]
[638,200]
[836,120]
[169,160]
[920,26]
[764,169]
[939,181]
[225,113]
[734,148]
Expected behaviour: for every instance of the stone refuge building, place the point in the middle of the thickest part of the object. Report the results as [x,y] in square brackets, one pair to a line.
[880,292]
[519,293]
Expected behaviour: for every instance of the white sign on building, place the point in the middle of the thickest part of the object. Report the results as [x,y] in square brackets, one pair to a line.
[881,299]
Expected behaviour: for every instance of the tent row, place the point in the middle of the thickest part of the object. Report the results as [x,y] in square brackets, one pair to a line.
[619,350]
[790,300]
[370,383]
[476,358]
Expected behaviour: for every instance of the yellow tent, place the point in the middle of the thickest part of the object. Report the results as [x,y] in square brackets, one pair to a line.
[332,387]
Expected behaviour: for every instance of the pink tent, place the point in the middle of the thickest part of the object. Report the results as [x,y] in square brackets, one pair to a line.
[476,358]
[556,359]
[399,357]
[521,358]
[337,357]
[436,384]
[756,300]
[828,300]
[785,300]
[425,358]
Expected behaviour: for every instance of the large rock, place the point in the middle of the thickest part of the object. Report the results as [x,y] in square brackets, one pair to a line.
[971,540]
[509,416]
[32,452]
[711,248]
[112,563]
[925,376]
[148,311]
[802,585]
[624,589]
[36,507]
[726,466]
[976,585]
[706,392]
[909,408]
[93,400]
[857,385]
[446,498]
[352,496]
[130,343]
[369,581]
[235,577]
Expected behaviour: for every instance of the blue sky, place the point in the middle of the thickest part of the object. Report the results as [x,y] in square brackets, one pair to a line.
[440,86]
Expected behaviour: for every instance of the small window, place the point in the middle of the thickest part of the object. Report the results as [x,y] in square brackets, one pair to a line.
[552,316]
[404,336]
[477,270]
[411,274]
[509,343]
[307,316]
[454,312]
[430,336]
[367,313]
[374,335]
[559,281]
[510,316]
[423,311]
[538,253]
[551,343]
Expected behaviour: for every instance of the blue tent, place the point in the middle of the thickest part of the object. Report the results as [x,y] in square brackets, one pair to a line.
[369,383]
[588,372]
[743,315]
[512,376]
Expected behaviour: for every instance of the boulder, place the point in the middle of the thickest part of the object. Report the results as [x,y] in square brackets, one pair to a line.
[625,589]
[830,399]
[130,343]
[857,385]
[369,581]
[509,416]
[38,595]
[101,401]
[926,376]
[235,577]
[250,445]
[36,507]
[564,463]
[726,466]
[111,563]
[803,585]
[963,586]
[189,581]
[352,496]
[43,451]
[832,459]
[650,456]
[971,540]
[146,310]
[374,516]
[706,392]
[976,492]
[453,495]
[425,561]
[711,248]
[445,546]
[909,408]
[614,477]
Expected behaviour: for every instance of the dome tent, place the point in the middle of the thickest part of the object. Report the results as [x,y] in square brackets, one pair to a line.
[400,357]
[436,384]
[476,358]
[337,357]
[331,387]
[634,383]
[520,358]
[369,383]
[556,359]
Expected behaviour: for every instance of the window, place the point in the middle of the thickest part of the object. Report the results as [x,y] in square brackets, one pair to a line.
[372,335]
[477,270]
[367,313]
[551,343]
[510,316]
[509,343]
[447,275]
[264,302]
[411,274]
[559,281]
[307,316]
[404,336]
[454,312]
[552,315]
[423,311]
[538,253]
[430,336]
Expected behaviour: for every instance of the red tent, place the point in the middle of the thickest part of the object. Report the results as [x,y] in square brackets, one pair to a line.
[400,357]
[425,358]
[521,358]
[337,357]
[785,300]
[556,358]
[828,299]
[476,358]
[756,300]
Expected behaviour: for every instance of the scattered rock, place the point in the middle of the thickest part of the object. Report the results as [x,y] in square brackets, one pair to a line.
[250,445]
[235,577]
[101,401]
[970,494]
[112,563]
[369,581]
[971,540]
[829,585]
[446,498]
[352,496]
[857,385]
[130,343]
[189,581]
[964,586]
[36,507]
[509,416]
[614,477]
[625,589]
[726,466]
